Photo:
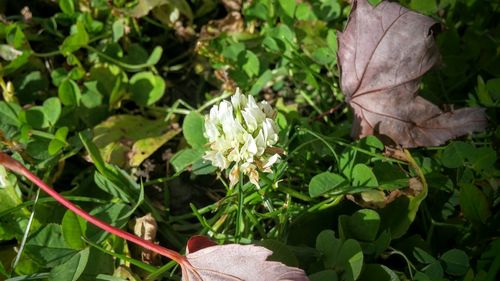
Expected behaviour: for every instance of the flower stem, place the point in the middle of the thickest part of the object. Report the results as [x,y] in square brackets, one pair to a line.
[16,167]
[240,225]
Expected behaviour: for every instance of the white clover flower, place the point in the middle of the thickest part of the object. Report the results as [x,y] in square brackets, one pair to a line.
[241,134]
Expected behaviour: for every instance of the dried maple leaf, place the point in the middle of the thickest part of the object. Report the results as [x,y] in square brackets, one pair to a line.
[383,53]
[234,262]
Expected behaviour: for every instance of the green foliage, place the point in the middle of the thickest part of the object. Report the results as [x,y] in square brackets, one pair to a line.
[95,95]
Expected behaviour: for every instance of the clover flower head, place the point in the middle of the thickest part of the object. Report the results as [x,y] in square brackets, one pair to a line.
[241,134]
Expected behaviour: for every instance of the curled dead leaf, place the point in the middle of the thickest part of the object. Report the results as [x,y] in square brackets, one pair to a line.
[383,53]
[233,22]
[378,199]
[146,228]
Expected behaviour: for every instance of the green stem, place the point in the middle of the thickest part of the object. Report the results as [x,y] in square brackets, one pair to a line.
[132,67]
[239,215]
[214,101]
[48,54]
[137,263]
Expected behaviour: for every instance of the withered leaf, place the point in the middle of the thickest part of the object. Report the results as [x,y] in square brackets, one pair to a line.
[383,53]
[237,262]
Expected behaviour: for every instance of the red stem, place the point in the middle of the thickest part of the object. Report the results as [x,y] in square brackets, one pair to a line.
[13,165]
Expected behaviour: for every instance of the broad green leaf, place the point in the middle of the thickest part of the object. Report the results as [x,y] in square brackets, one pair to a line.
[69,93]
[36,118]
[118,29]
[185,157]
[327,10]
[288,7]
[324,183]
[28,86]
[48,246]
[456,262]
[52,109]
[14,224]
[398,215]
[155,56]
[474,204]
[202,167]
[351,258]
[72,229]
[304,12]
[9,113]
[331,41]
[15,36]
[323,56]
[362,175]
[422,256]
[434,270]
[281,252]
[67,6]
[3,272]
[233,51]
[98,263]
[456,153]
[482,159]
[59,141]
[193,128]
[482,92]
[146,88]
[72,269]
[362,225]
[329,247]
[377,272]
[261,82]
[58,75]
[428,6]
[493,86]
[78,38]
[270,44]
[110,81]
[251,64]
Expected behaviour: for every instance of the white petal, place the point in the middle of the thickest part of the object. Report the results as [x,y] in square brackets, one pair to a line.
[234,176]
[261,144]
[273,159]
[211,131]
[238,100]
[267,109]
[220,161]
[250,121]
[270,132]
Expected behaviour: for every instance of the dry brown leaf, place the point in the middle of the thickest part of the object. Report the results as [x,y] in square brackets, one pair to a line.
[378,199]
[146,228]
[232,23]
[383,54]
[234,262]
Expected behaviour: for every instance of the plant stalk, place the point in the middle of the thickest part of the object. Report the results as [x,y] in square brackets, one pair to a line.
[16,167]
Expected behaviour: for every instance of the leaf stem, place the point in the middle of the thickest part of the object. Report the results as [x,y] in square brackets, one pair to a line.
[131,67]
[18,168]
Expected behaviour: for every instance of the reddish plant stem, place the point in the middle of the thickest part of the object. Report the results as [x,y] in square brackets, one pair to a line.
[16,167]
